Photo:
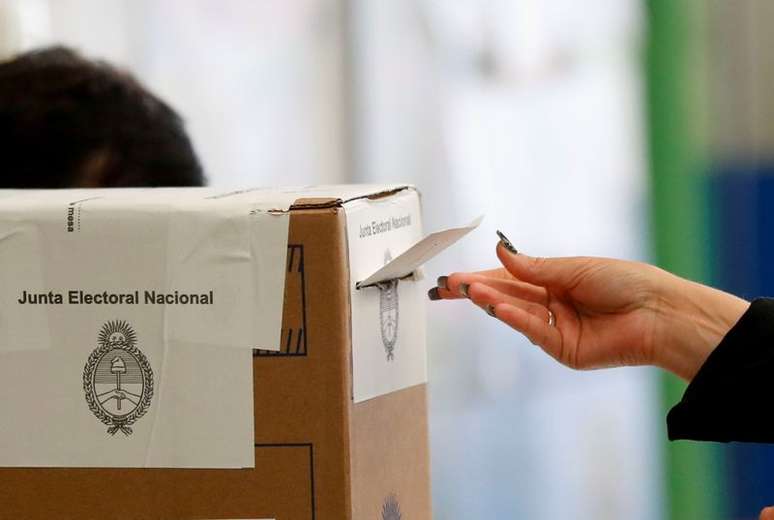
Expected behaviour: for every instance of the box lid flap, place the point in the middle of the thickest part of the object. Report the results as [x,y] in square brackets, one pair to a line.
[322,196]
[269,199]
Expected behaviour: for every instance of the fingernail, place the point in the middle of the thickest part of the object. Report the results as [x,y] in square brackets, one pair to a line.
[506,243]
[443,282]
[491,310]
[464,289]
[433,294]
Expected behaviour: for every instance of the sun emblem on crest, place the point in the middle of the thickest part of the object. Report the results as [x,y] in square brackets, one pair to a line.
[391,509]
[117,378]
[388,312]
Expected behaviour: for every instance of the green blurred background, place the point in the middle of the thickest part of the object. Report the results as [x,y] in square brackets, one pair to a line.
[709,91]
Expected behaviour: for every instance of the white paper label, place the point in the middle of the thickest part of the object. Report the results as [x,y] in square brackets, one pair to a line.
[127,327]
[388,321]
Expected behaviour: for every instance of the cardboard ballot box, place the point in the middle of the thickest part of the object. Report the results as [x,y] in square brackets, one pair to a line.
[191,354]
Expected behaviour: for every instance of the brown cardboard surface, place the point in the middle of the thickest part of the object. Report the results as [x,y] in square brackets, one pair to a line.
[318,456]
[281,491]
[302,393]
[390,455]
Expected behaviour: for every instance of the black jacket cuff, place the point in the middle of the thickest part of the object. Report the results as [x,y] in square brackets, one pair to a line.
[731,397]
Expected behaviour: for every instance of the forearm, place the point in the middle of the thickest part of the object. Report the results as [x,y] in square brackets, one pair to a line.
[691,320]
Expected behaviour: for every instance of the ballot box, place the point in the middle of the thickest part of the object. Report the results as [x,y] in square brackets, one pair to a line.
[203,354]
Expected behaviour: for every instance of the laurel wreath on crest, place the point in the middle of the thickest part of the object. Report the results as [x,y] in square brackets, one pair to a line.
[388,290]
[123,423]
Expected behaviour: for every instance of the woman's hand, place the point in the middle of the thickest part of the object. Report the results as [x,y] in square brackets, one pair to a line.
[596,312]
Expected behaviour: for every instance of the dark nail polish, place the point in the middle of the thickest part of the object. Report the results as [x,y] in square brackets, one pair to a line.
[433,294]
[443,282]
[491,310]
[506,243]
[464,289]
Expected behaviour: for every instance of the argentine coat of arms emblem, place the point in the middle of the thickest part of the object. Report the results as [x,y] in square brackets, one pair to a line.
[117,378]
[388,312]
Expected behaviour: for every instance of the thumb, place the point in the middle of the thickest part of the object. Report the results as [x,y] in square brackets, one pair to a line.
[767,513]
[546,272]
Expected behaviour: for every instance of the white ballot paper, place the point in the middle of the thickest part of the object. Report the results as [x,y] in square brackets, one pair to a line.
[127,323]
[411,259]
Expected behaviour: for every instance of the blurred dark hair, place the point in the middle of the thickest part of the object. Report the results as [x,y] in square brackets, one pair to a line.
[66,121]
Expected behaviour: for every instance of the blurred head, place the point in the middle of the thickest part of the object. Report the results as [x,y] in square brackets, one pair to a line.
[66,121]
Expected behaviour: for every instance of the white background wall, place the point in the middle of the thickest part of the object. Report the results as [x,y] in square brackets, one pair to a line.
[526,110]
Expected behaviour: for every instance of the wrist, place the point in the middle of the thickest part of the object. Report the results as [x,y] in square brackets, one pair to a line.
[693,319]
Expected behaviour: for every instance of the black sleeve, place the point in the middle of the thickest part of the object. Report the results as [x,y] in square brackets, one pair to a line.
[731,398]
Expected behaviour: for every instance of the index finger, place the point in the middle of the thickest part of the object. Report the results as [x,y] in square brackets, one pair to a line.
[450,287]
